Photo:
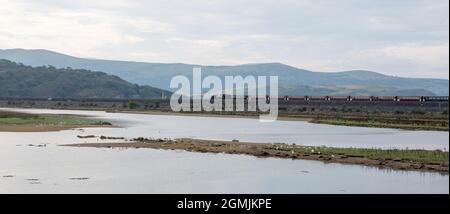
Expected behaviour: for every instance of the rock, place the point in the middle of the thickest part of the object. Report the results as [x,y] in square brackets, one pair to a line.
[112,138]
[327,158]
[262,153]
[83,178]
[87,136]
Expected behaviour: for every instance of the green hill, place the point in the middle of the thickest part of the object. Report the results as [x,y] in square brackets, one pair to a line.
[17,80]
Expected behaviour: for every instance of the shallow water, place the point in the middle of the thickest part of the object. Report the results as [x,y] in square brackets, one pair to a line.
[157,171]
[298,132]
[52,168]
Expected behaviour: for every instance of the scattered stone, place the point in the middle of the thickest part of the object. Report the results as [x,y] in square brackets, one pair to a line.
[269,150]
[87,136]
[80,179]
[9,176]
[38,145]
[111,138]
[326,158]
[259,153]
[397,159]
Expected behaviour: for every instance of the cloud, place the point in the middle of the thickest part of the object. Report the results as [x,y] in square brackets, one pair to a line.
[422,60]
[402,37]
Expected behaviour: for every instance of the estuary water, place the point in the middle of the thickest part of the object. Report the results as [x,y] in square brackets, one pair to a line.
[36,163]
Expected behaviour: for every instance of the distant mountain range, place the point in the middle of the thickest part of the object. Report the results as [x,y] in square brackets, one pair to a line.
[292,81]
[18,80]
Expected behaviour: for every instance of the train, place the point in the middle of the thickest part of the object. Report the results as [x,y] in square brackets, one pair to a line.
[351,98]
[268,98]
[371,98]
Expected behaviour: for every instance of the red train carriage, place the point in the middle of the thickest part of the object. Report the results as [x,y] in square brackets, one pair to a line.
[410,98]
[435,98]
[340,98]
[302,98]
[361,98]
[318,98]
[384,98]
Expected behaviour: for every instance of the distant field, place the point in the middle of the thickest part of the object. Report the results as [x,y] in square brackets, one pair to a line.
[399,115]
[14,118]
[437,124]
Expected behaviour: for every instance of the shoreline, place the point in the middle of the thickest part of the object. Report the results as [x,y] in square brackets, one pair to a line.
[12,121]
[385,121]
[255,117]
[46,128]
[334,120]
[281,150]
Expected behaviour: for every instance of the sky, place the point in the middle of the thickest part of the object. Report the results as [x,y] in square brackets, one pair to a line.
[395,37]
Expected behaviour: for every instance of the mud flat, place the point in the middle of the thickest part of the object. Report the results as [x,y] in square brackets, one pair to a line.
[417,160]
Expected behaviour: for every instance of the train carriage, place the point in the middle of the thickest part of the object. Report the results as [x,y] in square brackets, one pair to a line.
[435,98]
[410,98]
[302,98]
[384,98]
[318,98]
[339,98]
[361,98]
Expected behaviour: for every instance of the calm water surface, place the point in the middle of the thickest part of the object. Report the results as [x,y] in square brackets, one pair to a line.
[298,132]
[54,169]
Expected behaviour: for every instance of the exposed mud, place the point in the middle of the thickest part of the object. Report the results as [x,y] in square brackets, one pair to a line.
[267,150]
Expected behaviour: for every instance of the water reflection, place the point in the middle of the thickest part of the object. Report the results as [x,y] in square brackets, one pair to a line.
[35,168]
[298,132]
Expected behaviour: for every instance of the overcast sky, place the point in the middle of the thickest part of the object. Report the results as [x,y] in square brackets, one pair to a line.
[395,37]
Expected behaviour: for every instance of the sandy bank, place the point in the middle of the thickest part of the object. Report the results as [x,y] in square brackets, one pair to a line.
[270,150]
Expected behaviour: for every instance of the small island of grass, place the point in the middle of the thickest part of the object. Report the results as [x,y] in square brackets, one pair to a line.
[400,159]
[24,122]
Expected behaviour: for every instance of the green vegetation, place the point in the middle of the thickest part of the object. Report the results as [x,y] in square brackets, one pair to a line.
[422,156]
[133,105]
[408,124]
[17,80]
[13,118]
